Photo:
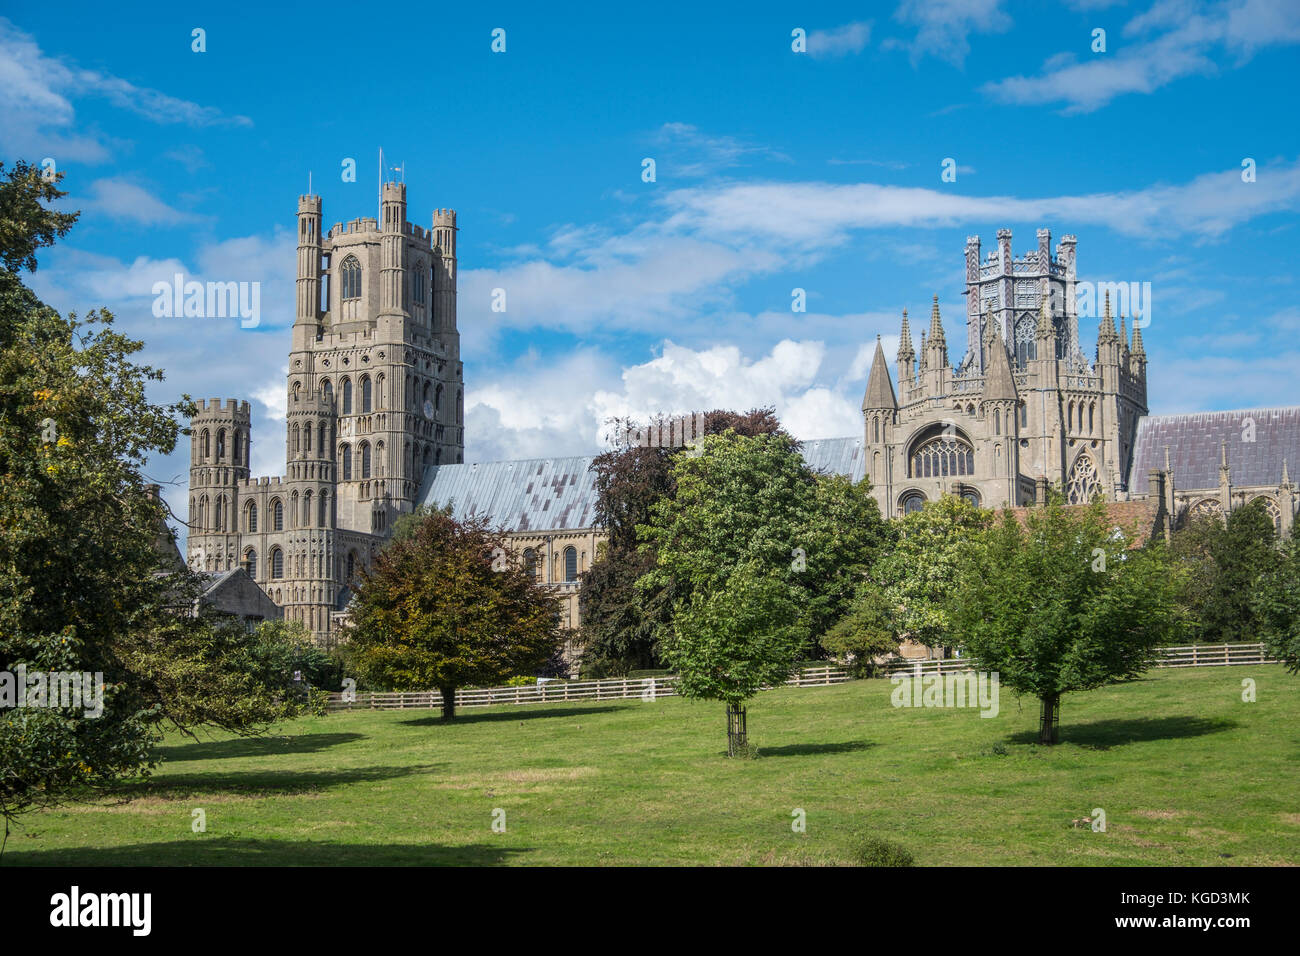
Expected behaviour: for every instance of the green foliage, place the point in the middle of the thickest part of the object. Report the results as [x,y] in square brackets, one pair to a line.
[866,631]
[1062,603]
[916,574]
[1276,605]
[433,611]
[730,641]
[873,851]
[1224,564]
[84,585]
[621,625]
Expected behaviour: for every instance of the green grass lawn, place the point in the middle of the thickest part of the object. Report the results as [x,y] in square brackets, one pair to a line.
[1186,772]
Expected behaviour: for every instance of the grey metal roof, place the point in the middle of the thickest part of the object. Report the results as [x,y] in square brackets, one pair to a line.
[1195,445]
[836,456]
[559,494]
[535,494]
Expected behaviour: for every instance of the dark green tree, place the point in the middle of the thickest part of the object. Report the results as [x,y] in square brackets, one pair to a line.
[1275,605]
[1063,603]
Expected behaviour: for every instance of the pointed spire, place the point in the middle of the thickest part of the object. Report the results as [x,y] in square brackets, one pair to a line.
[1123,333]
[999,383]
[905,353]
[1138,347]
[880,388]
[924,362]
[936,324]
[1106,334]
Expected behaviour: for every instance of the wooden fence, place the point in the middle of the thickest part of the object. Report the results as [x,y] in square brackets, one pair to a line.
[1193,655]
[617,688]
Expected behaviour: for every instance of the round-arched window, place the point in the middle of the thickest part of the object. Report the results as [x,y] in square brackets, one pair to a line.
[912,501]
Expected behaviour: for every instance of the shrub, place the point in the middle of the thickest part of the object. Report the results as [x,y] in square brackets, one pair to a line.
[873,851]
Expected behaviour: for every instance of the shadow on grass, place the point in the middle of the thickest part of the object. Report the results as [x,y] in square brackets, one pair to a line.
[255,746]
[469,717]
[812,750]
[1105,734]
[261,782]
[204,850]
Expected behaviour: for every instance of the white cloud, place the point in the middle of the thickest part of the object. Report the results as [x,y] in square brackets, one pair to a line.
[944,27]
[683,151]
[1171,40]
[37,116]
[121,200]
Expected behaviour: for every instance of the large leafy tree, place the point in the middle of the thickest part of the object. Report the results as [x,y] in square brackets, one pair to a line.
[752,531]
[447,605]
[83,585]
[1225,562]
[621,625]
[917,572]
[1063,603]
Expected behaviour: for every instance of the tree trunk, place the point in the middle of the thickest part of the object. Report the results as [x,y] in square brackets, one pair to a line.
[1049,718]
[737,736]
[448,703]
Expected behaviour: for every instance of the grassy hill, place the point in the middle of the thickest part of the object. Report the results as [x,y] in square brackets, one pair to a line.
[1186,772]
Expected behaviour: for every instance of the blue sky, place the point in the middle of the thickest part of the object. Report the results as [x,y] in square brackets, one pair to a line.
[775,170]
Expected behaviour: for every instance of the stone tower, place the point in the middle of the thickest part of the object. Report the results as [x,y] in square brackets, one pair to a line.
[375,397]
[1022,409]
[219,446]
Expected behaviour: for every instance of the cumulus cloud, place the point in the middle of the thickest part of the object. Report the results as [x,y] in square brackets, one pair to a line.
[944,27]
[839,41]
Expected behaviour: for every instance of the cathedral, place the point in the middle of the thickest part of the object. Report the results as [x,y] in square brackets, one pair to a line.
[374,423]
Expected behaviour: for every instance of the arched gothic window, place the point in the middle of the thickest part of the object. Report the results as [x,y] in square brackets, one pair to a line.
[912,501]
[347,396]
[324,507]
[277,515]
[345,453]
[365,459]
[943,457]
[1026,345]
[250,558]
[250,516]
[1084,483]
[221,445]
[277,563]
[351,273]
[530,562]
[417,283]
[570,564]
[327,390]
[365,394]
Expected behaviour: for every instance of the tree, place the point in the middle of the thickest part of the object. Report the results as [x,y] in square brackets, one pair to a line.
[621,626]
[750,506]
[1063,603]
[732,641]
[1276,605]
[448,606]
[82,586]
[866,631]
[1225,561]
[916,574]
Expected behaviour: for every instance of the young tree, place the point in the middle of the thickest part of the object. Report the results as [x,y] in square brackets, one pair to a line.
[447,606]
[730,642]
[1276,605]
[751,504]
[867,630]
[1063,603]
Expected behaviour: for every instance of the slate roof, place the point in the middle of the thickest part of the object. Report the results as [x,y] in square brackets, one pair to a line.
[836,456]
[534,494]
[1195,441]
